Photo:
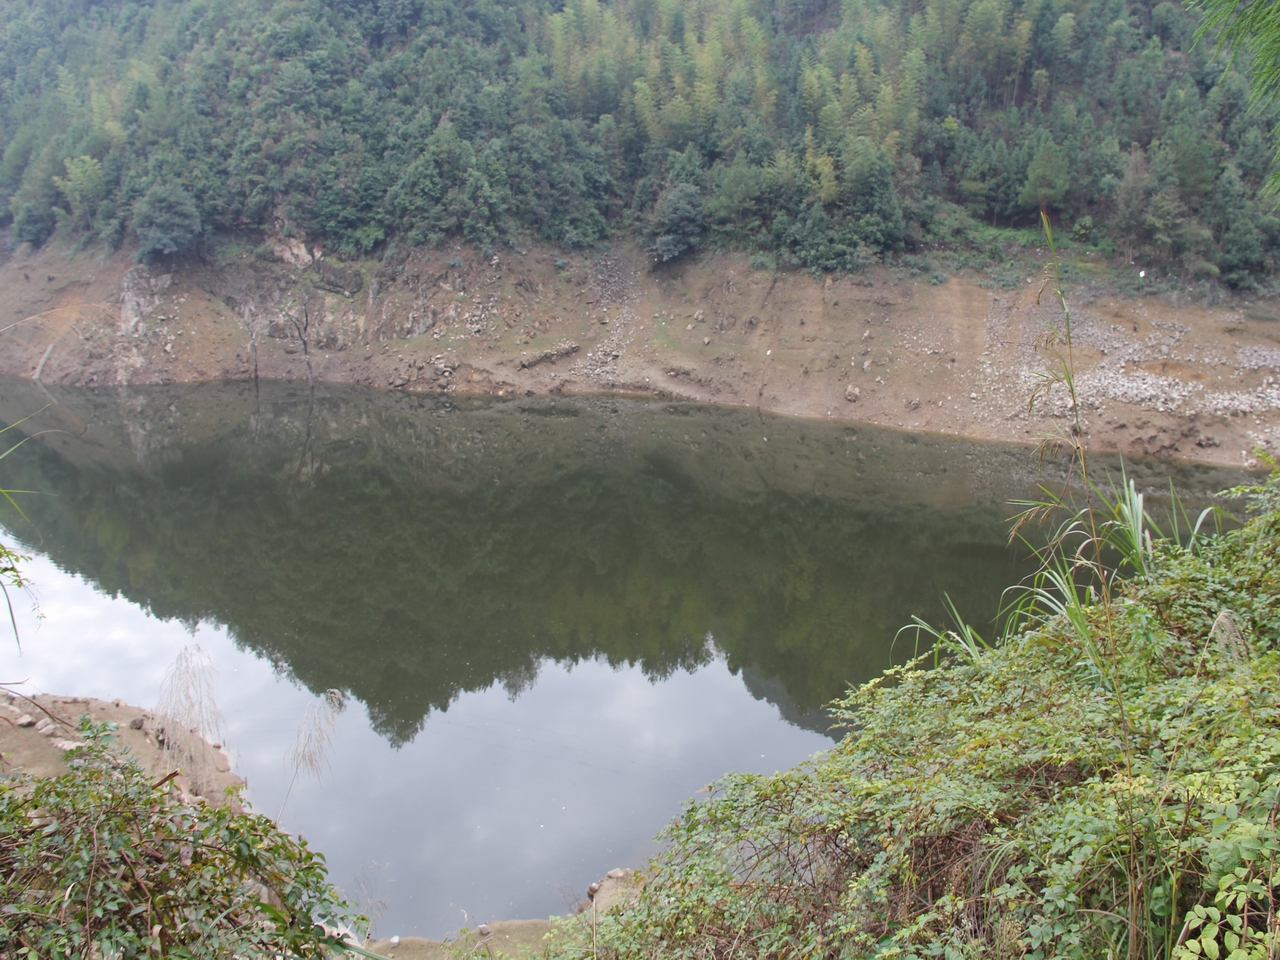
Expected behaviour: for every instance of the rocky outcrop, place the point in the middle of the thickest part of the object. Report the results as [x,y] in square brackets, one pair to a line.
[37,731]
[140,298]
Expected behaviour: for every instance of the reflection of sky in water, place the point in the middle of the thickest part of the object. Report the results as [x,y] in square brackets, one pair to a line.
[500,808]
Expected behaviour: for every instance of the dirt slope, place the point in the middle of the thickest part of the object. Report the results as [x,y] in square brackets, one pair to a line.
[36,732]
[1154,376]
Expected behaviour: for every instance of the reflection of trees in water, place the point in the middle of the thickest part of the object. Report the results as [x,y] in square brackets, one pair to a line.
[425,551]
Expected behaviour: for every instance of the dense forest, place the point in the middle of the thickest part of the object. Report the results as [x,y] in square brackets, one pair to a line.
[813,132]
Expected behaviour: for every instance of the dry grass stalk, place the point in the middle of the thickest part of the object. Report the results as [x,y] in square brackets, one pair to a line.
[1230,640]
[187,717]
[315,733]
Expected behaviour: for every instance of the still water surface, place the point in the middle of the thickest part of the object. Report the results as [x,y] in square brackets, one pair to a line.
[556,620]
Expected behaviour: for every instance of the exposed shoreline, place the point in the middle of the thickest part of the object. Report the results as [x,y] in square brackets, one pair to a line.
[1155,376]
[40,729]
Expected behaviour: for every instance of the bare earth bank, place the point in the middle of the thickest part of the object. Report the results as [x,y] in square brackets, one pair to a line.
[1155,376]
[36,732]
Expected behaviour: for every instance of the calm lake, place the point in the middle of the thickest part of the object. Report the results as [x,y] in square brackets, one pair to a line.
[555,620]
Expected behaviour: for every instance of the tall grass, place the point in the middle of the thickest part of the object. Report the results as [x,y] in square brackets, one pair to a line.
[311,744]
[1098,537]
[188,718]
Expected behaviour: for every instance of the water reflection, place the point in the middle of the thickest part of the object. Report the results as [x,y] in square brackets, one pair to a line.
[498,809]
[556,613]
[406,549]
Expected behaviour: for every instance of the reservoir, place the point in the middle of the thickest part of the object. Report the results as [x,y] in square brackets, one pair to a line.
[553,620]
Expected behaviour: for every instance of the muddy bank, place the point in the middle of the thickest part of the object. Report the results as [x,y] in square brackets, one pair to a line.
[1156,376]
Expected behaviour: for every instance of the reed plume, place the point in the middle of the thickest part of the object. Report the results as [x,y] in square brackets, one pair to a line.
[188,718]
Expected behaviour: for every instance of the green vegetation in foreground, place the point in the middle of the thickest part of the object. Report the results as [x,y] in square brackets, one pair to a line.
[1104,784]
[822,133]
[101,862]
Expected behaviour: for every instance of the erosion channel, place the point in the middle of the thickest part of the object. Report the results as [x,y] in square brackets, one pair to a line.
[555,619]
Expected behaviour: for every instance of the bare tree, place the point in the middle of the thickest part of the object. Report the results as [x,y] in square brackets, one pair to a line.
[302,330]
[315,732]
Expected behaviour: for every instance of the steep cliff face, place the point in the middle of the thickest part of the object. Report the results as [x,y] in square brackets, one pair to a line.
[1156,376]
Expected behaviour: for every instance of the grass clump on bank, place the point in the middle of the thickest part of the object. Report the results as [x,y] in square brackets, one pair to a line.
[1103,784]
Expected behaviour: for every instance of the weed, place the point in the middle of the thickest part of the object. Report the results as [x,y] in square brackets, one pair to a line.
[103,862]
[368,896]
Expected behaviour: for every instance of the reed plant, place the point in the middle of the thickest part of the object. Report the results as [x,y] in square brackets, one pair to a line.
[187,717]
[308,755]
[12,576]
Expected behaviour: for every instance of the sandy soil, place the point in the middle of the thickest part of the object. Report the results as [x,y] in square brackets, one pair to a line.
[503,938]
[514,938]
[30,745]
[1155,376]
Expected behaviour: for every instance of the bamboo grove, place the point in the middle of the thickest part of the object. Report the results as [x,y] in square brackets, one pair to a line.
[811,132]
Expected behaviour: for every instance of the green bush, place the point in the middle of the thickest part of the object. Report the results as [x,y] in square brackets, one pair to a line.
[103,862]
[1102,785]
[678,223]
[166,221]
[32,224]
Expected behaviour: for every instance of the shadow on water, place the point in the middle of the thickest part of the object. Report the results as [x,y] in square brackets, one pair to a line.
[409,549]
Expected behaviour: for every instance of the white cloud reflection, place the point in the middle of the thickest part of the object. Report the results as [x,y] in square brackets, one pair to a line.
[497,809]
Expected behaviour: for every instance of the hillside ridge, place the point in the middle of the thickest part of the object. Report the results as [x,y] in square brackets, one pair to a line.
[829,134]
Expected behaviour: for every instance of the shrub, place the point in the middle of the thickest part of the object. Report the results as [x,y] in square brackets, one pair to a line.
[103,862]
[1103,784]
[678,223]
[32,224]
[166,221]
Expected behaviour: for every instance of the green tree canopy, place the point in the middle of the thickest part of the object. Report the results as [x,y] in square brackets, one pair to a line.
[1248,26]
[833,133]
[678,222]
[166,220]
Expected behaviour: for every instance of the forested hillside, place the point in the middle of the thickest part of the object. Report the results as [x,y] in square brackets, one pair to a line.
[821,133]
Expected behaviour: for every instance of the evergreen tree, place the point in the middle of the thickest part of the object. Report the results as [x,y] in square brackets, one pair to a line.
[1047,177]
[166,220]
[826,131]
[678,224]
